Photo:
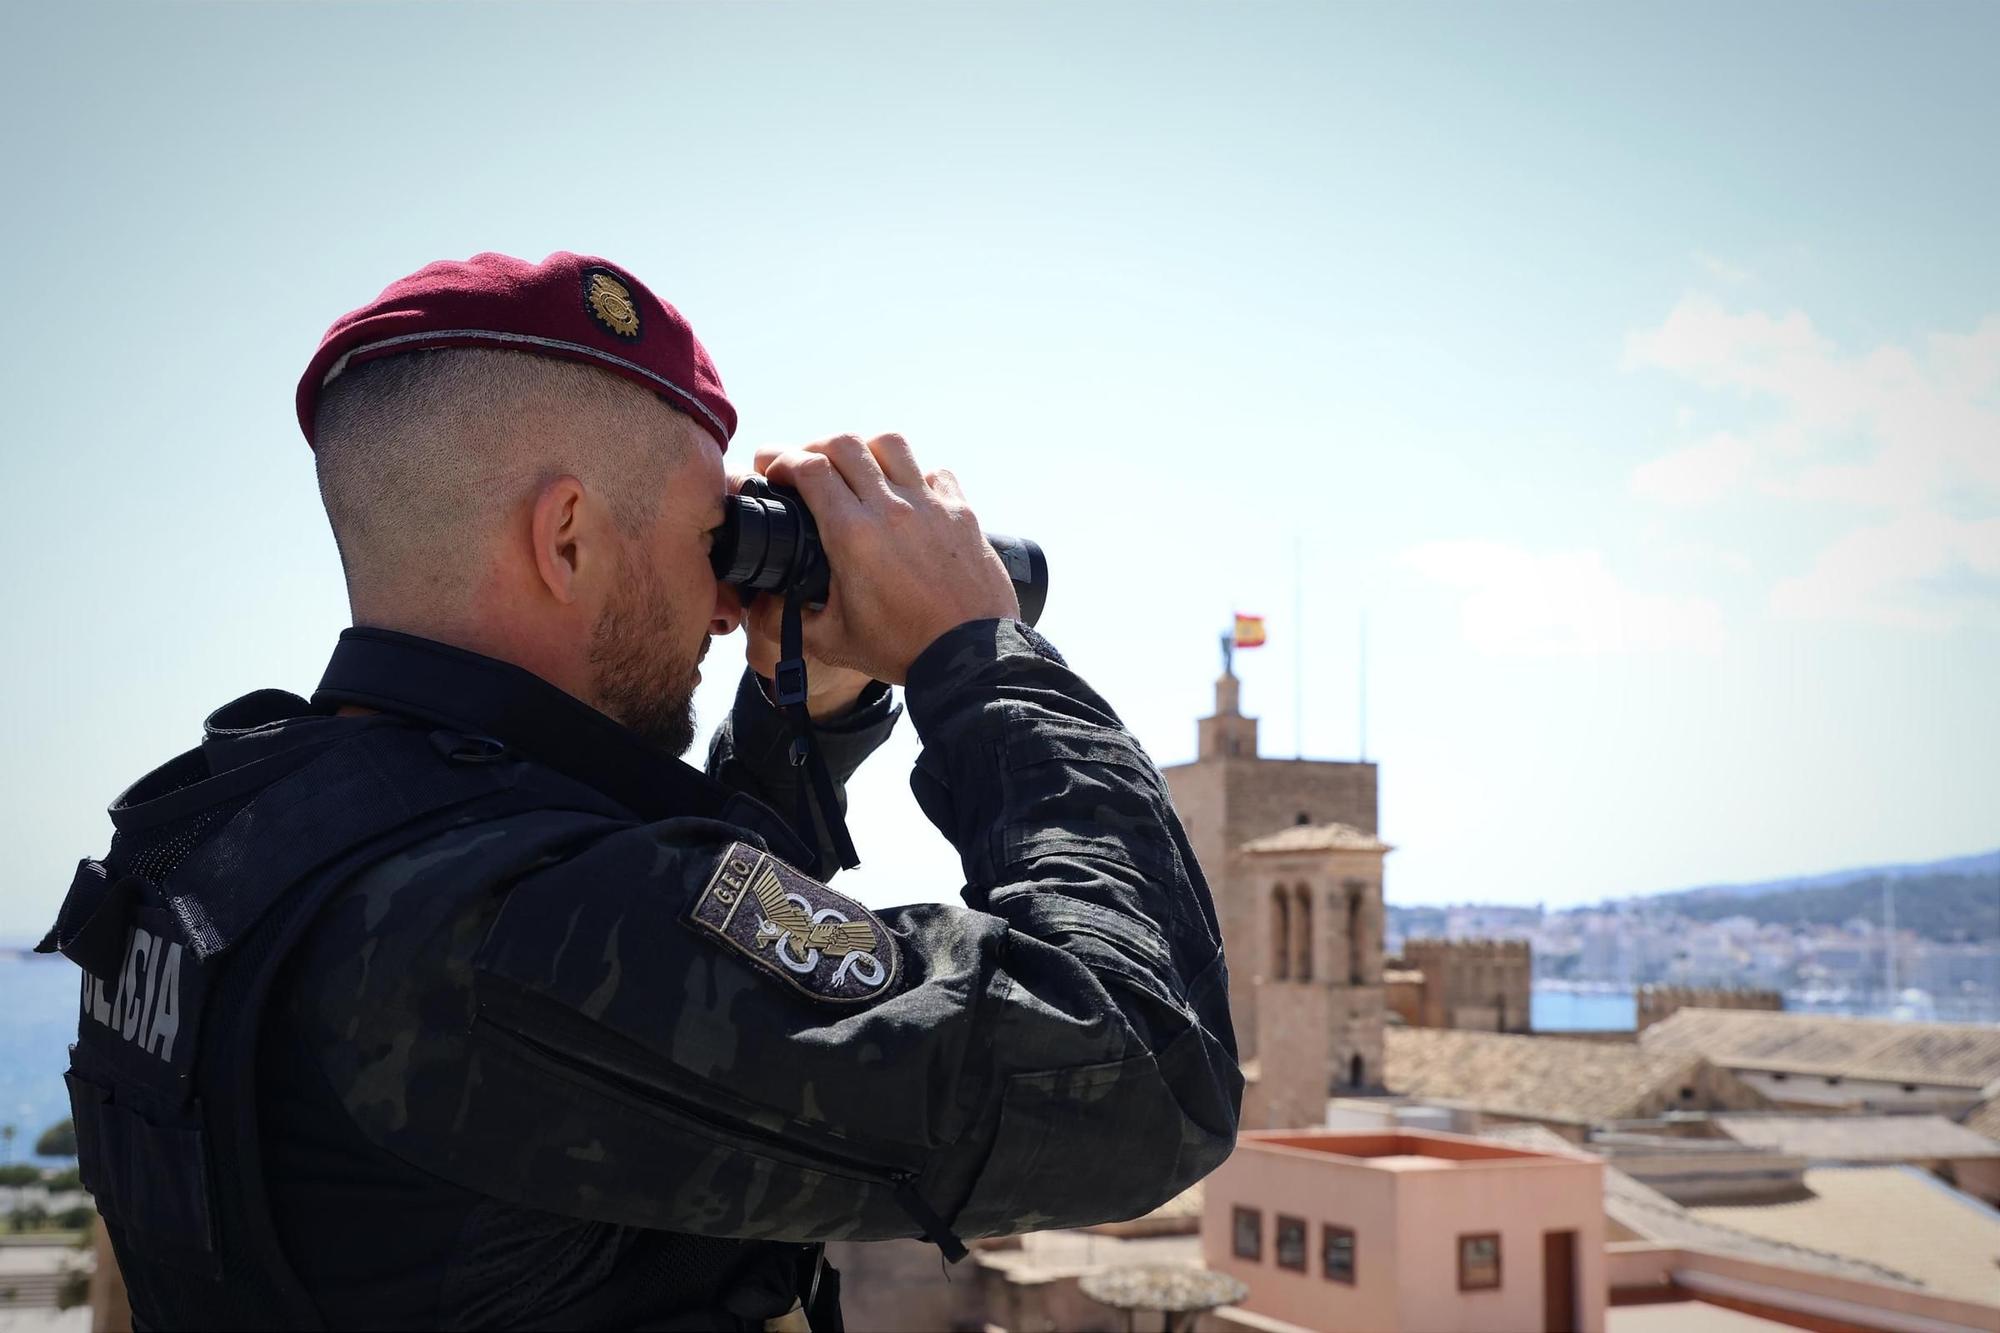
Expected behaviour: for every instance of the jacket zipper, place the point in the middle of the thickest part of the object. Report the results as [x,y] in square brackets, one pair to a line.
[853,1167]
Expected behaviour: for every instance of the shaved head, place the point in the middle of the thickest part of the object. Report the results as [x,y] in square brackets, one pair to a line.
[423,457]
[541,511]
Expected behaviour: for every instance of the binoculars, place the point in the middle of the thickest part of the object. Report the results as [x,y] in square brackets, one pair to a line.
[769,543]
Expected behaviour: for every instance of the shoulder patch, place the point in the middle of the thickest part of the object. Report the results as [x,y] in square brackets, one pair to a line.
[822,944]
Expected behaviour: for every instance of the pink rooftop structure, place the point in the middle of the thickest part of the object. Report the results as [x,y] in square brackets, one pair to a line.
[1409,1230]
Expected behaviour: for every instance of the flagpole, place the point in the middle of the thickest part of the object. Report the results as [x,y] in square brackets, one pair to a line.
[1298,646]
[1363,681]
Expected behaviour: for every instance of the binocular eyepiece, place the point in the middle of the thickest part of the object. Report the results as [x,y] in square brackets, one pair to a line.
[769,543]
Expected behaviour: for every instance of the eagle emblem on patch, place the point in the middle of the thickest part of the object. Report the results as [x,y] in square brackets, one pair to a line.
[610,303]
[821,943]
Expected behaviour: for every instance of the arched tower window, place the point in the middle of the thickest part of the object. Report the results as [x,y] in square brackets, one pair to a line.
[1356,970]
[1357,1073]
[1281,934]
[1302,934]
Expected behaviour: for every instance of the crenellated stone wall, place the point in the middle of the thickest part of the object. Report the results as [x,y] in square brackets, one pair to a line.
[1657,1002]
[1478,985]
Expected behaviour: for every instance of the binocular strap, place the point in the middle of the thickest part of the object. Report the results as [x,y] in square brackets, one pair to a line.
[817,789]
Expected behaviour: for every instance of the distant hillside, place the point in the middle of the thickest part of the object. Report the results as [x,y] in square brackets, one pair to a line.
[1984,863]
[1957,899]
[1951,901]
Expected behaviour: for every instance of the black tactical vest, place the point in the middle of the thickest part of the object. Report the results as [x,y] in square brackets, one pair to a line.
[180,931]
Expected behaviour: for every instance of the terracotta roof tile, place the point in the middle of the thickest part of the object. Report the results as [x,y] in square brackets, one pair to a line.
[1646,1212]
[1950,1054]
[1859,1138]
[1535,1078]
[1897,1215]
[1651,1215]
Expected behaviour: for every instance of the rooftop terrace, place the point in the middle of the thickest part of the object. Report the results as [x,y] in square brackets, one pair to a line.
[1399,1150]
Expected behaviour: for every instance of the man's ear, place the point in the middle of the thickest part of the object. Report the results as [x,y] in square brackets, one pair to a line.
[555,529]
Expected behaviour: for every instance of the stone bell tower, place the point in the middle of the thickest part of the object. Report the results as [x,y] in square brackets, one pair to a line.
[1290,853]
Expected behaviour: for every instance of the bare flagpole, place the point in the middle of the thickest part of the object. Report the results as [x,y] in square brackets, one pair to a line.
[1229,637]
[1363,684]
[1298,646]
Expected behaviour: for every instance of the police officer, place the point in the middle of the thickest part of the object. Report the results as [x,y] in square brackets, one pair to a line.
[450,997]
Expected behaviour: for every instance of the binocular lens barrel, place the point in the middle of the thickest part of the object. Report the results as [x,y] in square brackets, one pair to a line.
[769,543]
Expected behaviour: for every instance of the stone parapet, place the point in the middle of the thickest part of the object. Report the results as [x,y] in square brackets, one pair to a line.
[1655,1003]
[1479,985]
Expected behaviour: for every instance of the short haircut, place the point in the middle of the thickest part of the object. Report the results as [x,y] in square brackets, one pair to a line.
[421,456]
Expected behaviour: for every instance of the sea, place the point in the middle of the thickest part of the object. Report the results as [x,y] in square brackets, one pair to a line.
[1566,1010]
[38,1007]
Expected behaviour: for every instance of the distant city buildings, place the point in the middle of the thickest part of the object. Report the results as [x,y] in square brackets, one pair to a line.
[1852,967]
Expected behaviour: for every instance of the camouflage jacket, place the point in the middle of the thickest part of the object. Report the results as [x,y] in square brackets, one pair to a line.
[620,1013]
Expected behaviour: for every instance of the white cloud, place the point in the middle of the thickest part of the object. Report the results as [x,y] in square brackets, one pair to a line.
[1898,573]
[1698,473]
[1776,354]
[1561,603]
[1912,435]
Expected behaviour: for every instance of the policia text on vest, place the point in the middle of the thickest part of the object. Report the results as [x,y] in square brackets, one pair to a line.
[146,1006]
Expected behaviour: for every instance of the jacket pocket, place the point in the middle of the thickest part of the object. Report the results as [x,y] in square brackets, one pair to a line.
[1076,1147]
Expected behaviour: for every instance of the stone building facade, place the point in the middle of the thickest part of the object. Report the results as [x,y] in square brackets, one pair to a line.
[1475,985]
[1290,852]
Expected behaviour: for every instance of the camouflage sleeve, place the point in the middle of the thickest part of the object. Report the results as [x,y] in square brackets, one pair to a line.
[750,750]
[665,1026]
[1114,1041]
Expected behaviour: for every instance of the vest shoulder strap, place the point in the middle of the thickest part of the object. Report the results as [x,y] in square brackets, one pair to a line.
[172,1148]
[340,799]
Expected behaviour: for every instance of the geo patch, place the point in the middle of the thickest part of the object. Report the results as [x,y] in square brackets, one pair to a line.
[822,944]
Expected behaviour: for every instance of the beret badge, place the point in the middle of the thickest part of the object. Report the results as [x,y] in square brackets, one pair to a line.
[610,303]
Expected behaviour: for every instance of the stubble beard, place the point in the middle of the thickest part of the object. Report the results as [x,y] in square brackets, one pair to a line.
[640,675]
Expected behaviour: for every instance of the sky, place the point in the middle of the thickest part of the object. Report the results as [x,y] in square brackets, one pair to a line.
[1633,371]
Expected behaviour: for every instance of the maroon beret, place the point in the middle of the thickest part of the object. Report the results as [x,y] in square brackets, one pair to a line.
[570,306]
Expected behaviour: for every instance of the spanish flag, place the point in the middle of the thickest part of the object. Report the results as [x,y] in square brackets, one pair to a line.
[1249,631]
